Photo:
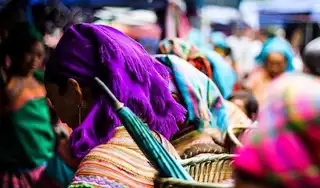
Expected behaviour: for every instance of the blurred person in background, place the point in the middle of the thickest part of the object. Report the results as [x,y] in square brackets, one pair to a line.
[221,46]
[204,59]
[275,58]
[311,58]
[296,41]
[247,102]
[244,48]
[27,141]
[284,150]
[52,21]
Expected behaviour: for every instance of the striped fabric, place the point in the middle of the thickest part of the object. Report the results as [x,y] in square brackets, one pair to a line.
[285,149]
[200,95]
[207,117]
[119,163]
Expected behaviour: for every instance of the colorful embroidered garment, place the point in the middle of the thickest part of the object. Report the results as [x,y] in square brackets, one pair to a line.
[200,95]
[188,52]
[21,179]
[118,163]
[205,60]
[206,118]
[285,150]
[27,141]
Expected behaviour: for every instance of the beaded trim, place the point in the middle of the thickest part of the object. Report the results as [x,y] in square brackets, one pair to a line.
[96,181]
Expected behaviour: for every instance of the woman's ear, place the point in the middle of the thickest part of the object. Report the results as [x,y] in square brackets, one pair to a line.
[74,90]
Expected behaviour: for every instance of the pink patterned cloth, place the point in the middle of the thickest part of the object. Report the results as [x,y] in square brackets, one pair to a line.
[285,149]
[25,178]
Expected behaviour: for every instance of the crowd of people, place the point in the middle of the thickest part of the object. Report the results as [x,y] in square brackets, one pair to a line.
[58,128]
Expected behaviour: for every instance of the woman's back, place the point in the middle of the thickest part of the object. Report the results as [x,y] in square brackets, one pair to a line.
[118,163]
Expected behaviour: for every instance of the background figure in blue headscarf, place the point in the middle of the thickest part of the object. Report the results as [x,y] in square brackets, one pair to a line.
[275,58]
[222,72]
[219,42]
[276,45]
[220,45]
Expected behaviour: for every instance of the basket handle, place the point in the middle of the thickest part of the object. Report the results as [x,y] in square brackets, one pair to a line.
[233,137]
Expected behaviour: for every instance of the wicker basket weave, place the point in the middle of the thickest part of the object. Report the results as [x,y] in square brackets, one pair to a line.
[175,183]
[234,133]
[207,171]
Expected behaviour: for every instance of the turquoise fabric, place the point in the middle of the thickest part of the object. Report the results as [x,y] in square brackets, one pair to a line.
[201,97]
[275,44]
[195,37]
[58,170]
[218,39]
[223,74]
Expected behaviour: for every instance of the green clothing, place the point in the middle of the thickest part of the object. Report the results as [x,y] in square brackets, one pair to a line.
[26,137]
[39,75]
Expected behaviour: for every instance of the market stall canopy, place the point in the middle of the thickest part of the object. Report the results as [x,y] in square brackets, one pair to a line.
[225,3]
[221,15]
[286,6]
[127,16]
[285,11]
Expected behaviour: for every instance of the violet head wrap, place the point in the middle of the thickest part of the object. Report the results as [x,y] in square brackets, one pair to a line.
[141,83]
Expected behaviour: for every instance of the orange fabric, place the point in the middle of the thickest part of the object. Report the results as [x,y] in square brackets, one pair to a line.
[257,82]
[23,94]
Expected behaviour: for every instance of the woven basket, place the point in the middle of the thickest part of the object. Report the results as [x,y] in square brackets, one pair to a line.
[210,168]
[175,183]
[234,132]
[207,170]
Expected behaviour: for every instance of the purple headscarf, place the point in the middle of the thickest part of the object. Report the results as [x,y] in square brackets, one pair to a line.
[136,79]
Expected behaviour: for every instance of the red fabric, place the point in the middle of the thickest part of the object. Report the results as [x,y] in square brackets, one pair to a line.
[25,179]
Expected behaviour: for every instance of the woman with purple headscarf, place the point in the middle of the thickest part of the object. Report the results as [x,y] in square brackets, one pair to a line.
[109,155]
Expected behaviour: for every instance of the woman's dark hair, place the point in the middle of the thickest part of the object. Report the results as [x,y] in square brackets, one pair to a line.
[48,18]
[20,40]
[250,102]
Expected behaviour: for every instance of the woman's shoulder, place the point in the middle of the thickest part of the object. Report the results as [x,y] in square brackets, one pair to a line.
[22,92]
[258,75]
[119,162]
